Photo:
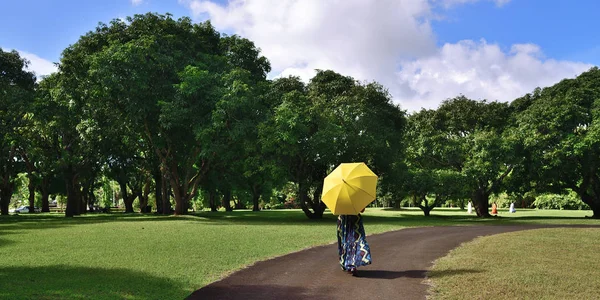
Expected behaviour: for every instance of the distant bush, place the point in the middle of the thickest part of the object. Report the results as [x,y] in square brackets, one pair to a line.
[274,206]
[504,200]
[554,201]
[291,203]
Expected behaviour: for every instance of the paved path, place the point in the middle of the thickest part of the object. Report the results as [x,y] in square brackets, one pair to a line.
[400,260]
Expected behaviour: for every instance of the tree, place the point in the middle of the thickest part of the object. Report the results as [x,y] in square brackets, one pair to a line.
[432,163]
[473,140]
[164,77]
[331,120]
[560,130]
[69,147]
[17,88]
[239,162]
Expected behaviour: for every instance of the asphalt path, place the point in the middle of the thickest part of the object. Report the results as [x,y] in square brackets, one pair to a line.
[401,260]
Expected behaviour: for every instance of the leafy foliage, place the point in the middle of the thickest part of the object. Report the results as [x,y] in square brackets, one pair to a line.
[560,129]
[16,96]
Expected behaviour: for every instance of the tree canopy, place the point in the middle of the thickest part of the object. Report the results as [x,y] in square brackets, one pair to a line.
[173,109]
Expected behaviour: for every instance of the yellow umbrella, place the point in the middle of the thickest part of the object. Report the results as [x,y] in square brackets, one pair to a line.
[349,188]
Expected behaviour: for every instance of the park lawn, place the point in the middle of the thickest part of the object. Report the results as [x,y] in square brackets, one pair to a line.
[558,263]
[146,257]
[119,256]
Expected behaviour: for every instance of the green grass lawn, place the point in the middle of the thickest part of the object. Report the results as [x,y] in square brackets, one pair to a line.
[559,263]
[117,256]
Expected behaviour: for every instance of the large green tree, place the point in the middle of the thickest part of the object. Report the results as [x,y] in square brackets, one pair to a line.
[164,77]
[333,119]
[560,130]
[433,163]
[69,147]
[239,162]
[17,88]
[473,140]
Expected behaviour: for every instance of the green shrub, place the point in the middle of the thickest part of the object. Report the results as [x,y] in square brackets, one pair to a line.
[278,206]
[556,201]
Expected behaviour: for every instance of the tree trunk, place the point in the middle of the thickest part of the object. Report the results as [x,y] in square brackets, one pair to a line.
[143,196]
[31,187]
[45,194]
[595,211]
[212,200]
[425,208]
[181,199]
[158,190]
[6,192]
[92,201]
[127,199]
[72,207]
[255,198]
[79,199]
[182,193]
[166,203]
[461,204]
[593,203]
[238,203]
[143,202]
[180,205]
[227,200]
[426,211]
[85,199]
[89,199]
[306,203]
[481,202]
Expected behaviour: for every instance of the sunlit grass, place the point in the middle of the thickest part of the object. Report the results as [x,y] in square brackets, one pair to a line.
[108,256]
[553,263]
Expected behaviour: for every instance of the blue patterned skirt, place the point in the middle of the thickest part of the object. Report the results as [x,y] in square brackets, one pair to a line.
[353,249]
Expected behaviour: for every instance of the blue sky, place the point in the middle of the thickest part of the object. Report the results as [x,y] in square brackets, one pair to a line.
[45,27]
[563,29]
[562,34]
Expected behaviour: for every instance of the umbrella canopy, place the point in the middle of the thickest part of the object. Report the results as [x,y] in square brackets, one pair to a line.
[349,188]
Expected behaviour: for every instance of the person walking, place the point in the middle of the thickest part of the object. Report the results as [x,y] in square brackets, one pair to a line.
[353,249]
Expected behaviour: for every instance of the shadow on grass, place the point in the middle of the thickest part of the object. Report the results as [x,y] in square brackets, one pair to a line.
[15,224]
[18,223]
[5,242]
[64,282]
[403,219]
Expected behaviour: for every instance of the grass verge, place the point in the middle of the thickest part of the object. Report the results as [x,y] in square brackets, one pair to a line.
[558,263]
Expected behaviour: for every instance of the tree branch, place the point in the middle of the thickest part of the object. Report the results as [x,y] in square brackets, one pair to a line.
[499,179]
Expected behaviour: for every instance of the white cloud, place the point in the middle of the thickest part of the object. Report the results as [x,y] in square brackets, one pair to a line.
[38,65]
[136,2]
[480,71]
[390,41]
[450,3]
[359,38]
[501,2]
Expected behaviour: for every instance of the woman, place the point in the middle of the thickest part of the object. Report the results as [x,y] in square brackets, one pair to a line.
[353,248]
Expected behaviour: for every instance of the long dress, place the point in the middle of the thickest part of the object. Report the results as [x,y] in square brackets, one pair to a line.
[494,209]
[353,248]
[470,208]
